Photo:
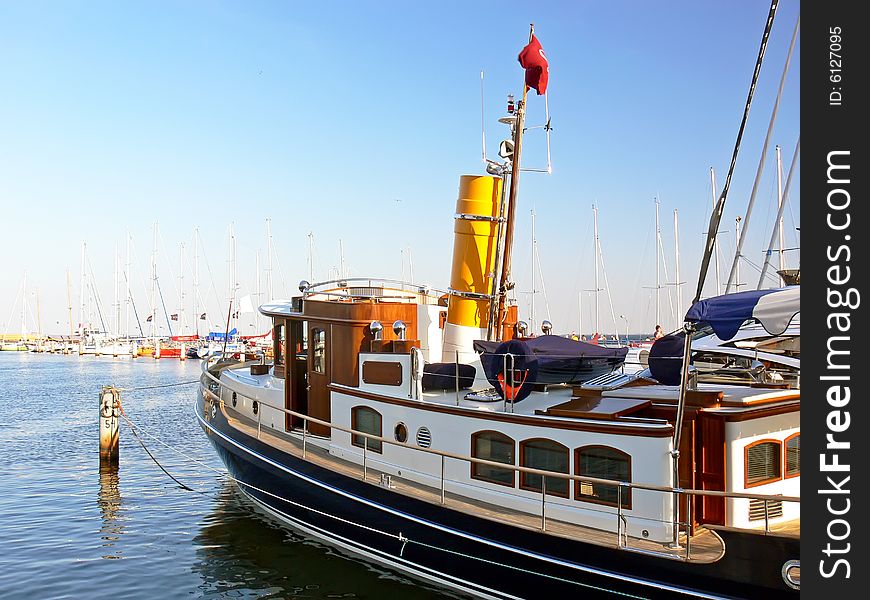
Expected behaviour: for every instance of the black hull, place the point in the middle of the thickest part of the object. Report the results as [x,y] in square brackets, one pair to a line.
[477,555]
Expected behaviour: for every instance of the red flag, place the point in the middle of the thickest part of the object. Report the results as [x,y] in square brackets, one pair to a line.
[534,61]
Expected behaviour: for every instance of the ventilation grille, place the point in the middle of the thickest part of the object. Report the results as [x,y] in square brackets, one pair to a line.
[424,437]
[756,509]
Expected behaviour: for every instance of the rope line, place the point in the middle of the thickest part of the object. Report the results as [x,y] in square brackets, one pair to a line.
[156,462]
[154,387]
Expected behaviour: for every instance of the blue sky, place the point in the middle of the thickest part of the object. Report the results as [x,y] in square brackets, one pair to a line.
[354,120]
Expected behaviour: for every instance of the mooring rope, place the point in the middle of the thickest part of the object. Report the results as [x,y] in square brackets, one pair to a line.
[147,451]
[155,387]
[398,537]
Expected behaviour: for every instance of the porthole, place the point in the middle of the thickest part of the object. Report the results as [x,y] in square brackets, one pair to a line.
[234,398]
[401,432]
[256,406]
[424,437]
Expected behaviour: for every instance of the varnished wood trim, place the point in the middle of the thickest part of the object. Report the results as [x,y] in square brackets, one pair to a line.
[631,430]
[382,373]
[626,495]
[763,411]
[523,474]
[474,465]
[785,457]
[746,483]
[786,395]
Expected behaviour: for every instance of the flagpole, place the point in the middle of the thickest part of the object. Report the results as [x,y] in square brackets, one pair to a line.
[505,283]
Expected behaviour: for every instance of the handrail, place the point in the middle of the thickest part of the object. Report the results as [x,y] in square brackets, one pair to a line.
[514,467]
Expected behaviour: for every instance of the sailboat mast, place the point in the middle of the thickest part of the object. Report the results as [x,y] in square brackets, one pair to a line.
[82,295]
[715,245]
[24,308]
[181,292]
[153,315]
[596,251]
[69,304]
[116,289]
[127,289]
[779,206]
[269,287]
[196,306]
[677,283]
[658,246]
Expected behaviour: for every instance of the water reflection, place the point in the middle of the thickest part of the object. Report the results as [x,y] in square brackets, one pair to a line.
[243,550]
[109,501]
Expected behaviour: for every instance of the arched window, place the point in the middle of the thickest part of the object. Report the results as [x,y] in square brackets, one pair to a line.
[546,455]
[495,446]
[793,455]
[366,420]
[602,462]
[763,462]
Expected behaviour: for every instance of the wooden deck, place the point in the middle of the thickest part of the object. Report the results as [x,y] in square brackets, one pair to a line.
[705,545]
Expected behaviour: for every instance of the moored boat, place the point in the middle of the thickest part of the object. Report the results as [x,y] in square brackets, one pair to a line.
[412,426]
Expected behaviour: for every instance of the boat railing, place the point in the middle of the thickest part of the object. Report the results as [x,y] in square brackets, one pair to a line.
[624,488]
[330,288]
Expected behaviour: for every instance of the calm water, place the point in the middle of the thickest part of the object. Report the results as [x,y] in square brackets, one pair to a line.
[70,530]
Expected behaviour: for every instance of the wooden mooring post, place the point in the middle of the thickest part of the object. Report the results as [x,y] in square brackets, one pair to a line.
[110,422]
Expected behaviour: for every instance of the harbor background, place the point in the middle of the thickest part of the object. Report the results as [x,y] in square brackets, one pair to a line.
[71,529]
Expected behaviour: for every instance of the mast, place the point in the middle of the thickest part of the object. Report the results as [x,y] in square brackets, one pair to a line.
[153,314]
[505,283]
[232,270]
[311,257]
[181,293]
[116,289]
[69,305]
[596,251]
[257,290]
[342,270]
[24,308]
[737,283]
[779,207]
[127,289]
[791,170]
[716,217]
[269,286]
[716,246]
[82,287]
[738,252]
[677,274]
[658,246]
[196,307]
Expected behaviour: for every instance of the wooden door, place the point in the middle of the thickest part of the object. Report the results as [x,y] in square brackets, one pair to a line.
[711,468]
[319,367]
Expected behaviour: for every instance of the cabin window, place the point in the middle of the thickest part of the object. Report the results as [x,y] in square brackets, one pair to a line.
[366,420]
[497,447]
[318,354]
[546,455]
[279,341]
[763,462]
[793,455]
[602,462]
